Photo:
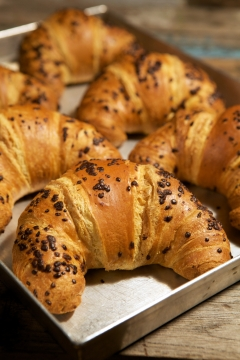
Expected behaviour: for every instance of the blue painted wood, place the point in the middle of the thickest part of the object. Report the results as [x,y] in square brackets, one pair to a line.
[204,48]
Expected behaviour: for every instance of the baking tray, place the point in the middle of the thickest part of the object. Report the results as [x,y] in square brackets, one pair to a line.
[120,307]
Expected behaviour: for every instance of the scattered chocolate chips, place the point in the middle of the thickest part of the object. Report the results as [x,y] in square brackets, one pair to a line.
[59,205]
[134,183]
[168,218]
[164,251]
[101,186]
[54,198]
[97,141]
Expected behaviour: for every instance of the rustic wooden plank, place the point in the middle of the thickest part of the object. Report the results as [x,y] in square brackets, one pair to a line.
[208,331]
[194,28]
[211,330]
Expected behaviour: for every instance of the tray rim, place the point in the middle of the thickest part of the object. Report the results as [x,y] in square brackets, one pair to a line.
[76,347]
[22,29]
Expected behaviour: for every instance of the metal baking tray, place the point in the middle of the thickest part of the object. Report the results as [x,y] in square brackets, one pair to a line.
[120,307]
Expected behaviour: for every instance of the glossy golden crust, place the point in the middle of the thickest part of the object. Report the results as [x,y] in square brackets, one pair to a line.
[113,215]
[37,145]
[71,47]
[18,88]
[201,147]
[137,94]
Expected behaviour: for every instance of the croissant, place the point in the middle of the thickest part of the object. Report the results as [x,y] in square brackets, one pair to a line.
[18,88]
[71,47]
[137,94]
[37,145]
[111,214]
[202,148]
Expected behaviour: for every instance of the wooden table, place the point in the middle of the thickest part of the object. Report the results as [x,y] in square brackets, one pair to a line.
[212,329]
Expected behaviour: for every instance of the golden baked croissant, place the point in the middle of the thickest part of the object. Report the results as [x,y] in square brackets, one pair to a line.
[137,94]
[111,214]
[18,88]
[37,145]
[199,147]
[71,47]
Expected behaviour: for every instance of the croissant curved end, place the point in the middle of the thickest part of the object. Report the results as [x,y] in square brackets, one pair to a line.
[6,213]
[234,217]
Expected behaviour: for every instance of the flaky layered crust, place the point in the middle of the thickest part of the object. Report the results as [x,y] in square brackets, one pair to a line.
[139,93]
[113,215]
[71,47]
[18,88]
[201,147]
[38,145]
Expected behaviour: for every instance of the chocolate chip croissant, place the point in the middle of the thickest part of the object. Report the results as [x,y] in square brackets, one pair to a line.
[137,94]
[19,88]
[37,145]
[111,214]
[202,148]
[71,47]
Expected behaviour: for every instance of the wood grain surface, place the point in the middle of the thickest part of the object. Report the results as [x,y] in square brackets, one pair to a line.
[212,329]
